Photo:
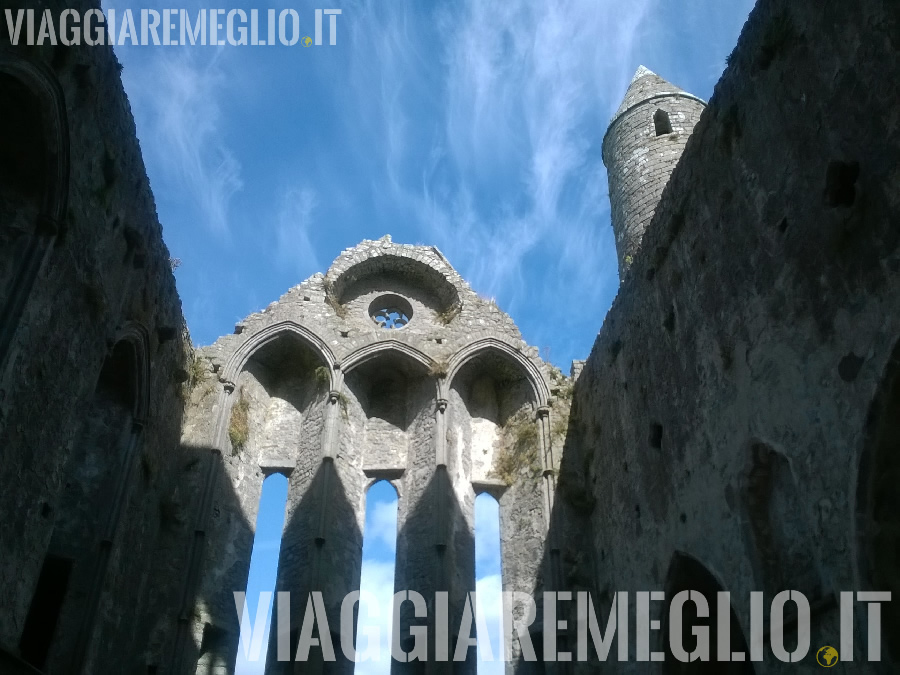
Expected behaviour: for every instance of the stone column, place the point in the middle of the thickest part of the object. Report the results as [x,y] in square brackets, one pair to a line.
[542,419]
[107,537]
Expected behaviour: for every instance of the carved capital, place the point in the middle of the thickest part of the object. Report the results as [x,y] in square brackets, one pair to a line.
[227,385]
[442,405]
[542,412]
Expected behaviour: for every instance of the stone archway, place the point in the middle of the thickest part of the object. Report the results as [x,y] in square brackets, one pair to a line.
[878,502]
[688,574]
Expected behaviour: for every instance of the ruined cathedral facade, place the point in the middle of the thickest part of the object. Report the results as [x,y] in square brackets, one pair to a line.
[734,427]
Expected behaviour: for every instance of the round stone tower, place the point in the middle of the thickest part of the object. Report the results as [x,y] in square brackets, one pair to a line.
[641,147]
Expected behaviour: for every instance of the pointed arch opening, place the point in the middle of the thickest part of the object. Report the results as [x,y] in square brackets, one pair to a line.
[263,572]
[34,169]
[377,576]
[386,397]
[22,178]
[274,396]
[781,532]
[489,582]
[493,411]
[687,574]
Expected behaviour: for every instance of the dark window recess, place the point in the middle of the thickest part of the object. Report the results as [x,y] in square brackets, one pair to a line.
[46,604]
[656,434]
[662,123]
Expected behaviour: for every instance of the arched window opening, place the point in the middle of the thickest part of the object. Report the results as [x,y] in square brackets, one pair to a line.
[662,123]
[686,574]
[378,564]
[263,570]
[54,630]
[387,399]
[878,506]
[494,410]
[488,583]
[282,382]
[385,396]
[781,532]
[22,177]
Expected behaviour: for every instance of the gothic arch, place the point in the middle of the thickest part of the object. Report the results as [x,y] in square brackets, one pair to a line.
[252,347]
[536,381]
[390,384]
[686,573]
[258,340]
[136,337]
[43,85]
[377,349]
[28,258]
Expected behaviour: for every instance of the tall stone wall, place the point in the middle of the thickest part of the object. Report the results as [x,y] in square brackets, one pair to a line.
[93,356]
[728,421]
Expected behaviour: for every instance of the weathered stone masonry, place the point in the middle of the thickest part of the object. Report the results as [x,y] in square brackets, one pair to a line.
[734,427]
[337,401]
[92,353]
[732,418]
[641,147]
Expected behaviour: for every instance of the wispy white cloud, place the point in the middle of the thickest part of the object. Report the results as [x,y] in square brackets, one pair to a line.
[494,150]
[295,220]
[535,82]
[177,98]
[383,525]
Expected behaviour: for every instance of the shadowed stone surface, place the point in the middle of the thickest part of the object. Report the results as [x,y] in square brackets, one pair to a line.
[734,427]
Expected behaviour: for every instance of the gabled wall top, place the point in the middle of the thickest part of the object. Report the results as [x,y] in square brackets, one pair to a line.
[422,266]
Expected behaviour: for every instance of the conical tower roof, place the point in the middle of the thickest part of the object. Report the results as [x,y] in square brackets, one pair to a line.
[647,84]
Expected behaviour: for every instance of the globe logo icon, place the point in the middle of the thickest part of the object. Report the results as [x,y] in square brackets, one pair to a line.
[827,656]
[307,41]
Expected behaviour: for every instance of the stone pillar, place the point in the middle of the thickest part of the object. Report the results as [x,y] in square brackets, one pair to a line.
[107,538]
[542,419]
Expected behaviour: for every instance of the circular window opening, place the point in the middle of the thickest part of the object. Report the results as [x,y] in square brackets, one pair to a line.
[390,311]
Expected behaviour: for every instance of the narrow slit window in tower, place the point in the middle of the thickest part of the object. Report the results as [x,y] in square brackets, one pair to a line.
[662,123]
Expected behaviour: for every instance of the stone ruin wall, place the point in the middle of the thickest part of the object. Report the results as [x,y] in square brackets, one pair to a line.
[93,355]
[734,412]
[727,406]
[336,403]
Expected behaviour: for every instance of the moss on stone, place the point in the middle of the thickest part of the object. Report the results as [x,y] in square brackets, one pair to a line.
[196,371]
[239,424]
[330,297]
[518,451]
[439,368]
[446,316]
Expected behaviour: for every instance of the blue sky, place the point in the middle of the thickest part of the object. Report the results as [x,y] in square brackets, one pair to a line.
[473,125]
